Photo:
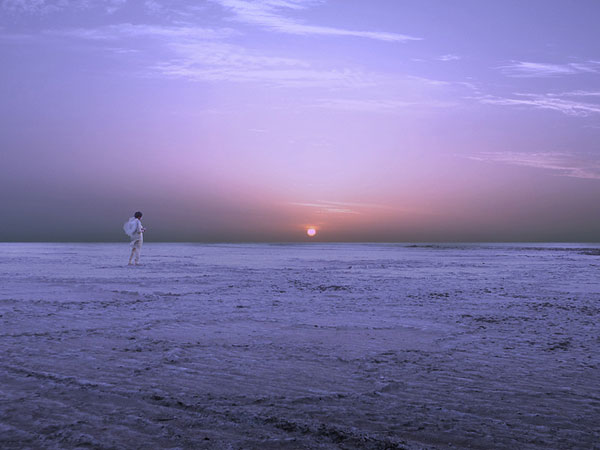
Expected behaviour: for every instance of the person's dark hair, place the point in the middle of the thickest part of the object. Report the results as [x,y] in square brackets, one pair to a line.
[138,215]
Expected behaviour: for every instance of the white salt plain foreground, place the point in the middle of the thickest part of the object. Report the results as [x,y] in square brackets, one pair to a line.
[300,346]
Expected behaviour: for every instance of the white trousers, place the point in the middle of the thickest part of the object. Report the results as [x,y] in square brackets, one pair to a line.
[136,248]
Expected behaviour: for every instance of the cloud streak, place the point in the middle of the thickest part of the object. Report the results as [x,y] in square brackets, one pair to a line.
[449,57]
[326,206]
[378,105]
[526,69]
[268,14]
[203,54]
[569,103]
[329,207]
[51,6]
[563,164]
[169,33]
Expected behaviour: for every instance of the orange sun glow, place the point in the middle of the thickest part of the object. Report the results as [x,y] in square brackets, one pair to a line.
[311,232]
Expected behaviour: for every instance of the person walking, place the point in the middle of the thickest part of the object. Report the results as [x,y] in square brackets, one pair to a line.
[134,229]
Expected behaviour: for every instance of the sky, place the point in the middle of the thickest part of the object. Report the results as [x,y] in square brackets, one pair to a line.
[252,121]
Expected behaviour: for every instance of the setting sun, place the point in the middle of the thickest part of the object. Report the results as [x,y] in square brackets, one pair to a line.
[311,232]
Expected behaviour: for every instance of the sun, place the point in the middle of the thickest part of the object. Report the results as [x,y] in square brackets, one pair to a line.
[311,232]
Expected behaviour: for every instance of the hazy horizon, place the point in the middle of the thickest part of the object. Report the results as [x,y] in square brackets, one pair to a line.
[250,121]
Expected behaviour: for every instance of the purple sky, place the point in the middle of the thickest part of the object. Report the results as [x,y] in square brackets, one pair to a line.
[233,120]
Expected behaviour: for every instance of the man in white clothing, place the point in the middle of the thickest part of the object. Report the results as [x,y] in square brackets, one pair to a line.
[135,230]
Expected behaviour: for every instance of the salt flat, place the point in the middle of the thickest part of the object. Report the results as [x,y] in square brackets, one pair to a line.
[300,346]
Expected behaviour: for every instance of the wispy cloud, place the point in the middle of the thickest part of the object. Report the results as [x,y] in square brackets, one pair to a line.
[449,57]
[576,103]
[563,164]
[380,106]
[183,50]
[194,68]
[582,93]
[203,54]
[269,14]
[220,61]
[113,6]
[168,33]
[444,83]
[31,6]
[50,6]
[525,69]
[328,207]
[397,94]
[25,6]
[340,207]
[175,10]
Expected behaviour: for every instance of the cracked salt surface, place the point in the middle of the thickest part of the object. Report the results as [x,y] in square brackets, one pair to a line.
[300,346]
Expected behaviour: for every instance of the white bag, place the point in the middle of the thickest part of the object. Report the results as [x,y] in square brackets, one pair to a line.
[130,226]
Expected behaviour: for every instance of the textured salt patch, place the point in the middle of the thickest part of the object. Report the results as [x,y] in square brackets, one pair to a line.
[300,346]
